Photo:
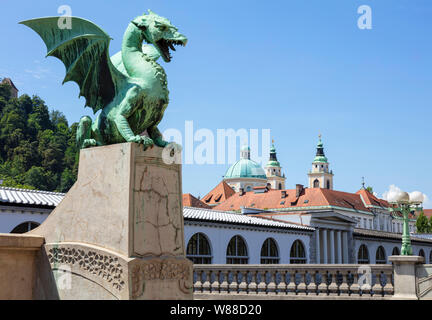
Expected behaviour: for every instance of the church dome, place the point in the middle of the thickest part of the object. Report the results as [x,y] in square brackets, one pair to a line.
[273,162]
[245,168]
[320,157]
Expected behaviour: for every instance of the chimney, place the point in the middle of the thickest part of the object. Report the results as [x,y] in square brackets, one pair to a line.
[242,192]
[299,189]
[283,194]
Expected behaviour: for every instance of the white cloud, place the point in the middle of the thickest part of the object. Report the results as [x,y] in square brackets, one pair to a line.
[38,72]
[427,203]
[394,192]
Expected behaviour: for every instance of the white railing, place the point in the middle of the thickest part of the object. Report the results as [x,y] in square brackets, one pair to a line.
[293,281]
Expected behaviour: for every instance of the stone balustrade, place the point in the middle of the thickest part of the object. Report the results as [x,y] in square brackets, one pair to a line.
[293,281]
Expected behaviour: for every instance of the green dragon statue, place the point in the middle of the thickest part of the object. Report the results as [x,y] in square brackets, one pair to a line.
[130,88]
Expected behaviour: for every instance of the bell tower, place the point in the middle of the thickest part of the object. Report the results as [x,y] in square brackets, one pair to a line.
[320,176]
[274,171]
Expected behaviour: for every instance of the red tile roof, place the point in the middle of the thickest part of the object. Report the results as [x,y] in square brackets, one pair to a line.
[309,197]
[190,201]
[371,200]
[427,212]
[219,194]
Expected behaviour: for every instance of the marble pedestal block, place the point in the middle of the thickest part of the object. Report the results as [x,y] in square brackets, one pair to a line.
[405,276]
[118,233]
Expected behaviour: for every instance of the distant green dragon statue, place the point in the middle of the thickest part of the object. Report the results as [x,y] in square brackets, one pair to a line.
[129,88]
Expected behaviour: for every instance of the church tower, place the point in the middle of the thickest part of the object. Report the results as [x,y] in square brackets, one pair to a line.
[320,176]
[274,171]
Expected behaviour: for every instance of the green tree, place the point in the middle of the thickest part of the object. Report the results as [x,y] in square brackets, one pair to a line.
[37,146]
[5,91]
[422,223]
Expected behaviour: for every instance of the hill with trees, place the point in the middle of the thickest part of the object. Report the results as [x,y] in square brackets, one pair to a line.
[37,146]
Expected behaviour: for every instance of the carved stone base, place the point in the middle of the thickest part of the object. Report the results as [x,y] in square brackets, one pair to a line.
[118,232]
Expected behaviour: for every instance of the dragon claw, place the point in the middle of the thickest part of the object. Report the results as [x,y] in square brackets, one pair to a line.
[146,141]
[88,143]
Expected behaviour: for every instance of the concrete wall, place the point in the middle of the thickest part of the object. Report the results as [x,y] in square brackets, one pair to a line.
[17,265]
[10,217]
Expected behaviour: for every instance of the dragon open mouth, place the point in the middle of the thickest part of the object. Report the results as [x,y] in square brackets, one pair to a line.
[165,46]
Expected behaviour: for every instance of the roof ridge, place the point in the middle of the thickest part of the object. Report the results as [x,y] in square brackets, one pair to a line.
[252,218]
[324,196]
[32,190]
[212,210]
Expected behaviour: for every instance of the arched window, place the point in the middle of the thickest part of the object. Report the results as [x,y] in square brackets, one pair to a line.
[248,188]
[316,183]
[280,186]
[198,249]
[363,255]
[297,253]
[269,252]
[237,251]
[328,184]
[395,251]
[380,257]
[25,227]
[421,253]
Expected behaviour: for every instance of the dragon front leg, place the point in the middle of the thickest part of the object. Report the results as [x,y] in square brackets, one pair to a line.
[83,135]
[126,109]
[156,135]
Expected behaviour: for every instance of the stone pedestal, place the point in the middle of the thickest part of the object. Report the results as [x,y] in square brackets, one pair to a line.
[118,233]
[405,276]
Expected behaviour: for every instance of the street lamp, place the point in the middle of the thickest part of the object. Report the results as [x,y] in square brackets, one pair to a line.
[405,203]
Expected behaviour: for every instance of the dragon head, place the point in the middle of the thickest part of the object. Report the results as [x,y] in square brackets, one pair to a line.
[160,32]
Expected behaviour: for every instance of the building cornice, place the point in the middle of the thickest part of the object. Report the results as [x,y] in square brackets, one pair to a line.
[222,225]
[321,208]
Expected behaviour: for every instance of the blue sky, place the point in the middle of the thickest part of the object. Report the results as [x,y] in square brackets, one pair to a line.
[299,68]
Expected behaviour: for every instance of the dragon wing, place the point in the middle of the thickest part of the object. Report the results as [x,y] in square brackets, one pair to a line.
[83,49]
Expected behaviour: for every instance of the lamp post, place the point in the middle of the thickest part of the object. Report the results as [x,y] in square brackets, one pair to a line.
[405,203]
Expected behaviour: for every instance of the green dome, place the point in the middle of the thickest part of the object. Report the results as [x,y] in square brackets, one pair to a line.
[273,162]
[245,168]
[320,157]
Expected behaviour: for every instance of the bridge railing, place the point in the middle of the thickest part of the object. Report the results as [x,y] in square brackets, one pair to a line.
[293,281]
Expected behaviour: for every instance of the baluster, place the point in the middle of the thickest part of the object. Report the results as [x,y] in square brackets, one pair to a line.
[233,286]
[224,285]
[333,287]
[366,284]
[253,286]
[376,287]
[317,279]
[215,285]
[388,288]
[355,288]
[322,287]
[271,287]
[282,285]
[292,287]
[206,285]
[344,287]
[242,288]
[262,286]
[198,283]
[301,287]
